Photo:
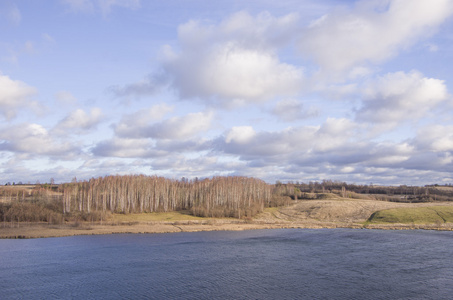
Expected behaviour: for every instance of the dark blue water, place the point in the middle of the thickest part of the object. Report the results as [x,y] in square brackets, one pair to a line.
[259,264]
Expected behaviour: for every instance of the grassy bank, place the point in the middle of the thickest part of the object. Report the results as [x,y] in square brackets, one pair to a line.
[183,215]
[413,215]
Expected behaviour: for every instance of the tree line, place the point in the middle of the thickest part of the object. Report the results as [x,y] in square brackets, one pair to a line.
[232,196]
[401,193]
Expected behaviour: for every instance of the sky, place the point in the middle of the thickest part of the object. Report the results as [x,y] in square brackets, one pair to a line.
[289,90]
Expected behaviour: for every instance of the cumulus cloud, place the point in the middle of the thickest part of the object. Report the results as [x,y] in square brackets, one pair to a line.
[126,148]
[433,162]
[240,134]
[336,144]
[233,61]
[390,154]
[33,139]
[400,96]
[372,32]
[146,148]
[435,138]
[191,167]
[14,95]
[184,146]
[248,144]
[334,134]
[136,124]
[79,121]
[244,141]
[337,149]
[187,165]
[249,59]
[151,85]
[290,110]
[180,127]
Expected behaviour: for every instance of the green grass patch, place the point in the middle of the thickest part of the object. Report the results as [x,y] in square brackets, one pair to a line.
[271,209]
[415,215]
[156,216]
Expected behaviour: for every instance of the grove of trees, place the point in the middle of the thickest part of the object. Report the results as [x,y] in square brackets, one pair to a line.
[214,197]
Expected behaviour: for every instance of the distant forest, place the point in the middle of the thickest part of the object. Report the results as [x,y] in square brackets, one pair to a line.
[232,196]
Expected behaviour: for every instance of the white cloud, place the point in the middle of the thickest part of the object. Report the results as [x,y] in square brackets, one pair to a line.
[187,166]
[235,60]
[147,148]
[334,127]
[14,96]
[240,134]
[335,148]
[151,85]
[79,121]
[372,32]
[247,143]
[126,148]
[33,139]
[400,96]
[436,138]
[290,110]
[136,124]
[252,60]
[335,134]
[139,125]
[181,127]
[192,145]
[390,155]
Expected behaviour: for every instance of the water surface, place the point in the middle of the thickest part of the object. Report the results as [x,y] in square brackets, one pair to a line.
[257,264]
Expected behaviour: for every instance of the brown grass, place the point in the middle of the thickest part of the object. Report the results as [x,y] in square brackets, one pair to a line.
[331,212]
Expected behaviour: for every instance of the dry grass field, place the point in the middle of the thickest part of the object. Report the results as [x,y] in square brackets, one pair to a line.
[332,212]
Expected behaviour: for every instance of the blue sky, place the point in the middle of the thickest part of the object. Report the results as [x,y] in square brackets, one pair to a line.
[357,91]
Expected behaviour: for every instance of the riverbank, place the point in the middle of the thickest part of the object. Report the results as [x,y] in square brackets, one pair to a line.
[26,231]
[330,213]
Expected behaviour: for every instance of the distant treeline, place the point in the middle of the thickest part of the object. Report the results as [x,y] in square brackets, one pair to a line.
[402,193]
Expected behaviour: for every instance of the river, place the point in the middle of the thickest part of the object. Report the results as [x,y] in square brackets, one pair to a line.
[255,264]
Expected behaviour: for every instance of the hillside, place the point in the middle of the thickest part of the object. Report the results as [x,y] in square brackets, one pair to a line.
[332,212]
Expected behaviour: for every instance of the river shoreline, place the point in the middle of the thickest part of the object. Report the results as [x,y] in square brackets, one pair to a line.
[314,214]
[42,230]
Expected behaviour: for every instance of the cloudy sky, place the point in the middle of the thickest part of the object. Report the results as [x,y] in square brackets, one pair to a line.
[301,90]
